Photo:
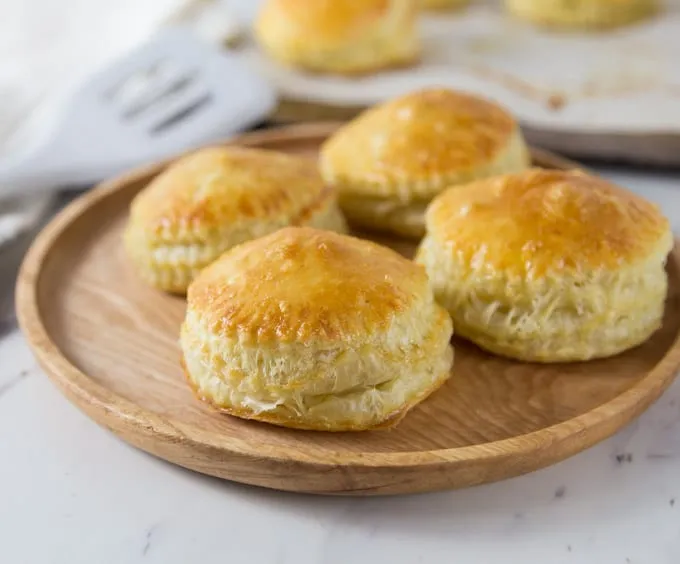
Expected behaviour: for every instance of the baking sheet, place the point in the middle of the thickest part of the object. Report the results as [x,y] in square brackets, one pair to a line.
[579,85]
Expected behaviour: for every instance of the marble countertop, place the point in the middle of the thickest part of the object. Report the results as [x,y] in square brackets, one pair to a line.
[71,492]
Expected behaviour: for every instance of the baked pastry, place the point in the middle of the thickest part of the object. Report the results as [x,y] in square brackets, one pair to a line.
[218,197]
[390,161]
[583,14]
[443,4]
[548,265]
[315,330]
[339,36]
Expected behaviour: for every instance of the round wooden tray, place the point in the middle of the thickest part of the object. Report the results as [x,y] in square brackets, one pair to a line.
[110,344]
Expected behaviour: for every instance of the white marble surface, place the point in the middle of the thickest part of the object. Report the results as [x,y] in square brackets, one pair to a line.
[70,493]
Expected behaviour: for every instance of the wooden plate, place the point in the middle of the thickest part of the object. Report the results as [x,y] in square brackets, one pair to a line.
[110,344]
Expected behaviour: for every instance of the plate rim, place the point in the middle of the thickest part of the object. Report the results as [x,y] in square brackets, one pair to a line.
[101,403]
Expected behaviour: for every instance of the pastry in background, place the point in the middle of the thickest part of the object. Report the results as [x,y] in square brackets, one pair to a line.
[218,197]
[583,14]
[390,161]
[315,330]
[339,36]
[547,265]
[443,4]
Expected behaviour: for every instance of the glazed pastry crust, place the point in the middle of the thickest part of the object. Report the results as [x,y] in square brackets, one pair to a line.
[417,144]
[541,221]
[548,265]
[404,214]
[315,330]
[583,14]
[215,198]
[357,287]
[341,36]
[389,162]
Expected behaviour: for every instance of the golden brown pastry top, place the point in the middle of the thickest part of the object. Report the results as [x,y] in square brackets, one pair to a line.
[546,220]
[323,22]
[420,135]
[301,284]
[220,186]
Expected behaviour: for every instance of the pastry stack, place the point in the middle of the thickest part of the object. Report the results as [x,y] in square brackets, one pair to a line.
[294,321]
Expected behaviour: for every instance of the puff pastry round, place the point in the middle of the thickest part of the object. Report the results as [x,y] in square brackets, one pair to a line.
[339,36]
[390,161]
[548,265]
[583,13]
[218,197]
[314,330]
[443,4]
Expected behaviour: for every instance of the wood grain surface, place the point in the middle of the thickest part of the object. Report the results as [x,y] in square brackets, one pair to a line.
[110,344]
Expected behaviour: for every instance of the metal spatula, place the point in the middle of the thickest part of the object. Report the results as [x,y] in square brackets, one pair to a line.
[172,94]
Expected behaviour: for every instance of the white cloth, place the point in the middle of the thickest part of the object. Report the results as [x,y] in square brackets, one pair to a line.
[46,46]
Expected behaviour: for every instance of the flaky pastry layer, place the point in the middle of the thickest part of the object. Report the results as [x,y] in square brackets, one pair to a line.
[315,330]
[171,267]
[385,215]
[556,317]
[328,386]
[216,197]
[399,207]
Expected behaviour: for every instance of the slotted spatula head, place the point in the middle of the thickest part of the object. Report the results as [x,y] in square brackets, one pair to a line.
[170,95]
